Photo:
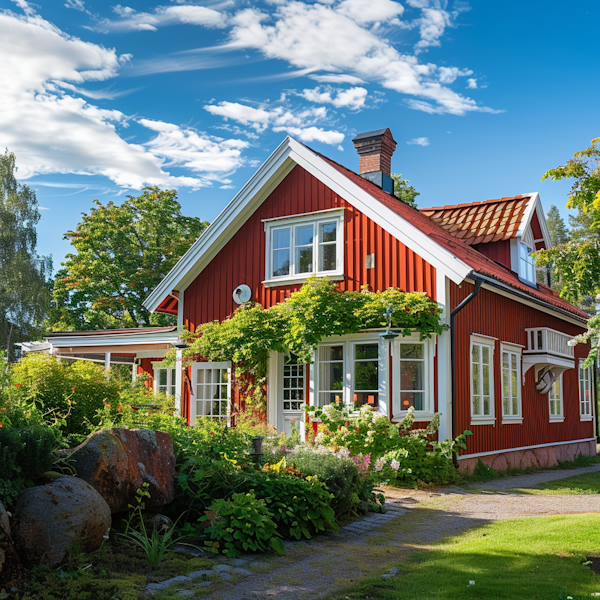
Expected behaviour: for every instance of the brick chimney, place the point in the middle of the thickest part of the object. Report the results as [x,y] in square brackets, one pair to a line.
[375,149]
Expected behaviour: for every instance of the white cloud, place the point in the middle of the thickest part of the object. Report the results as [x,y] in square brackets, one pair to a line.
[300,122]
[338,79]
[420,141]
[472,84]
[319,37]
[450,74]
[76,4]
[312,134]
[52,131]
[164,15]
[370,11]
[352,98]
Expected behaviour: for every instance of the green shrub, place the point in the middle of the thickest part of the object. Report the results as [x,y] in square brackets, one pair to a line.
[301,507]
[242,524]
[340,475]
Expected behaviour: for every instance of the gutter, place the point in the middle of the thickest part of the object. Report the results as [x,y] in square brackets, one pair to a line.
[478,281]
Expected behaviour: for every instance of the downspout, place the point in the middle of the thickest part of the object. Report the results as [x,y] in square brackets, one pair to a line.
[453,314]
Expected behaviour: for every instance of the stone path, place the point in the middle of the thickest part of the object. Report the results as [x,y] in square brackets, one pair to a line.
[378,543]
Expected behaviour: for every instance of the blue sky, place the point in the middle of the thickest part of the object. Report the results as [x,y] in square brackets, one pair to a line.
[99,99]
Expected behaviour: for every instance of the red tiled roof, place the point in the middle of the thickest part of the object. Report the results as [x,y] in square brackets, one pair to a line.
[481,222]
[477,261]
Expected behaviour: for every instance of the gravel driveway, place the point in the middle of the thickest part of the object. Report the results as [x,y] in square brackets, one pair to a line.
[415,520]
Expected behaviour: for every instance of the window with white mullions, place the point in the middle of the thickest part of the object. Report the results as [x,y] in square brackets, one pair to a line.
[328,246]
[331,374]
[304,239]
[366,374]
[585,392]
[412,376]
[482,380]
[293,384]
[511,388]
[213,390]
[280,258]
[555,400]
[164,380]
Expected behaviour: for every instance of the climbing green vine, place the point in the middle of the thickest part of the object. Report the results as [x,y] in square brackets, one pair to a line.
[317,311]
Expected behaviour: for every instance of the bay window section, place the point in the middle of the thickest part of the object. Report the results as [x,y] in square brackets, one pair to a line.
[412,376]
[366,374]
[303,246]
[331,374]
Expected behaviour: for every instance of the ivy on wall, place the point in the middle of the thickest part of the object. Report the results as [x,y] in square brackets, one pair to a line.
[298,325]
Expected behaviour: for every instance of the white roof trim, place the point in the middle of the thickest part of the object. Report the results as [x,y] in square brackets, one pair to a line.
[123,339]
[534,204]
[263,182]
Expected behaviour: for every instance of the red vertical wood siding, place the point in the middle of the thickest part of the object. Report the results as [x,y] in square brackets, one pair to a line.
[496,316]
[498,251]
[242,259]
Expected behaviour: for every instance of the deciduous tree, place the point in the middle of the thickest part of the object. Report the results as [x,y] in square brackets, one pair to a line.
[122,252]
[24,275]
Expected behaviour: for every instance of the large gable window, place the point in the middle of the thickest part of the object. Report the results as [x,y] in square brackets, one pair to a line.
[298,247]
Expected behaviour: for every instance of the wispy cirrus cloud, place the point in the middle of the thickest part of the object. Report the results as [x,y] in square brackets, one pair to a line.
[352,98]
[52,129]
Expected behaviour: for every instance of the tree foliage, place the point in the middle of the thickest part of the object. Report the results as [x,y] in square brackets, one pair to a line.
[122,253]
[24,275]
[576,261]
[559,234]
[404,191]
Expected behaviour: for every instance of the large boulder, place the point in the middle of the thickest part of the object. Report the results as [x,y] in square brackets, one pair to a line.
[51,519]
[117,462]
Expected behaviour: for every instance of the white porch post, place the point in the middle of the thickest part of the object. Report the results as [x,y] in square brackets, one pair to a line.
[178,380]
[273,409]
[107,363]
[443,355]
[134,370]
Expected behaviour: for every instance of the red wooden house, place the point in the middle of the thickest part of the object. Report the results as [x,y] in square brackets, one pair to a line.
[504,369]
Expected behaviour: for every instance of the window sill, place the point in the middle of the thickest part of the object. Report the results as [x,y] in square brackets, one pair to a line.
[280,281]
[512,421]
[483,421]
[557,419]
[418,415]
[586,418]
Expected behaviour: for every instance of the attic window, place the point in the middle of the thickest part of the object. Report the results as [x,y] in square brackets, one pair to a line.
[526,263]
[297,248]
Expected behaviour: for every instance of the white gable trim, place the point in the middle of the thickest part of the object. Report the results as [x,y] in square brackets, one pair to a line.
[263,182]
[534,205]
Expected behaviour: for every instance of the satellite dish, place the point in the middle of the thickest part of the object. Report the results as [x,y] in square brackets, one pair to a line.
[241,294]
[545,380]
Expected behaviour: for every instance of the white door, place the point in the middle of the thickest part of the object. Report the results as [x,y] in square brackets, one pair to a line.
[292,396]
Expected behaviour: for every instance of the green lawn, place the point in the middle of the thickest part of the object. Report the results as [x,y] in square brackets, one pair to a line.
[587,483]
[536,558]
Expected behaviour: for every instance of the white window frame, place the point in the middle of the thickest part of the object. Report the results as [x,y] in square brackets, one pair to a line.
[527,270]
[516,350]
[348,343]
[293,223]
[587,378]
[171,377]
[428,411]
[561,416]
[482,340]
[194,400]
[344,391]
[352,361]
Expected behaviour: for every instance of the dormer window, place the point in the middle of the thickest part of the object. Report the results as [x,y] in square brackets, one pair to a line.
[526,263]
[298,247]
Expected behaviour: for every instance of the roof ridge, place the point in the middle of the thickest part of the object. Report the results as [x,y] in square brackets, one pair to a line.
[504,199]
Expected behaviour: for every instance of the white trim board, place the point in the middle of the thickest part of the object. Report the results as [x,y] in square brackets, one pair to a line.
[477,454]
[288,154]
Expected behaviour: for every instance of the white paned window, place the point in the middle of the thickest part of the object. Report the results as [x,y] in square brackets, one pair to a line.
[585,393]
[482,379]
[293,384]
[412,379]
[212,388]
[555,400]
[511,383]
[164,379]
[365,382]
[303,246]
[331,374]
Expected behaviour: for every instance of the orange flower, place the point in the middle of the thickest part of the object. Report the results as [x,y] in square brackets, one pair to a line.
[74,388]
[3,409]
[1,424]
[120,407]
[108,406]
[17,385]
[118,391]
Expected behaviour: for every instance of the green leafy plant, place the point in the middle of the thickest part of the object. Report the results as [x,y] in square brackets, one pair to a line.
[242,524]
